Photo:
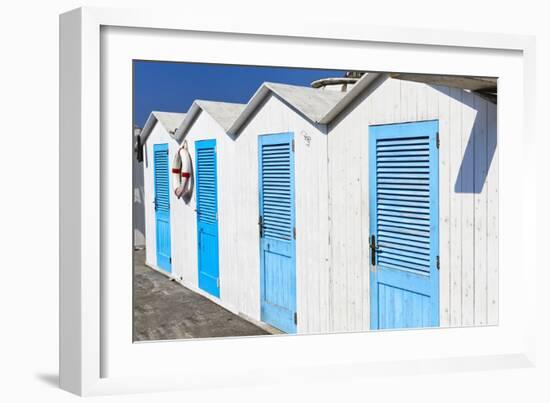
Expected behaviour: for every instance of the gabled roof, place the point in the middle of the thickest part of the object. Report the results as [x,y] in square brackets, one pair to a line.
[318,106]
[312,103]
[224,113]
[169,120]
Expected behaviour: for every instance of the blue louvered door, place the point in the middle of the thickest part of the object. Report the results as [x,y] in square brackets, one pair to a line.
[277,231]
[207,216]
[404,230]
[162,206]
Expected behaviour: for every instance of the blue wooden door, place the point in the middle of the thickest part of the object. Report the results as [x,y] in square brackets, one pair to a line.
[207,216]
[277,231]
[404,225]
[162,206]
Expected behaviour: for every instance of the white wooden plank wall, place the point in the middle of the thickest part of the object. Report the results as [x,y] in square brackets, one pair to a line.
[323,224]
[492,221]
[456,152]
[348,189]
[480,212]
[149,211]
[466,174]
[445,187]
[244,203]
[365,218]
[311,227]
[231,285]
[468,237]
[339,242]
[354,257]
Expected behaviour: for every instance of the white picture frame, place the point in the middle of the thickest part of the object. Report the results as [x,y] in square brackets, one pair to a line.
[96,354]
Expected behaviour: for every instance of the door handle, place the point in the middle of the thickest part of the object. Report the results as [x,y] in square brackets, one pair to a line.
[373,248]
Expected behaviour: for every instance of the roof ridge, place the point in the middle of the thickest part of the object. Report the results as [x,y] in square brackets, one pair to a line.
[218,102]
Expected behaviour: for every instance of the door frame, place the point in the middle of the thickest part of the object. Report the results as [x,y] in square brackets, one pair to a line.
[416,128]
[267,139]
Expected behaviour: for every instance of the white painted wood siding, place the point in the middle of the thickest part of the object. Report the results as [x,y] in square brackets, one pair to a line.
[468,198]
[311,192]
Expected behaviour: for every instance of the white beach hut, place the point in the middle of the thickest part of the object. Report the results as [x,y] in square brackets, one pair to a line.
[201,233]
[159,148]
[321,210]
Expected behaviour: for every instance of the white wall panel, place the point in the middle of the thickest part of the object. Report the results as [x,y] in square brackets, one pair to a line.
[468,242]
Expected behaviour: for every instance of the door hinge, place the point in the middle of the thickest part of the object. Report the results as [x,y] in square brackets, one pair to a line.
[170,259]
[437,139]
[294,232]
[295,318]
[167,152]
[292,145]
[373,250]
[261,226]
[437,262]
[218,282]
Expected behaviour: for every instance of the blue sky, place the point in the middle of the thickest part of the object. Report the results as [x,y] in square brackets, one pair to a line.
[172,87]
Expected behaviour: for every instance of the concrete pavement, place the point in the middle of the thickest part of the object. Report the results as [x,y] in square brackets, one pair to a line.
[164,309]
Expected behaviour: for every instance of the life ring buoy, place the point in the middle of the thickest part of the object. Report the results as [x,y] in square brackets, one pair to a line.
[181,171]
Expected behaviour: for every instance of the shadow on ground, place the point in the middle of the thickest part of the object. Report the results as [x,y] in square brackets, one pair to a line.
[49,379]
[165,310]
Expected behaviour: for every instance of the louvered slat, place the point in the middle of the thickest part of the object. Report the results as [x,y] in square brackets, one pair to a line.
[206,185]
[162,191]
[276,190]
[403,203]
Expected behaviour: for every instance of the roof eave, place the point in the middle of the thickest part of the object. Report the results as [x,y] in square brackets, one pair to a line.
[472,83]
[188,121]
[148,127]
[361,85]
[249,109]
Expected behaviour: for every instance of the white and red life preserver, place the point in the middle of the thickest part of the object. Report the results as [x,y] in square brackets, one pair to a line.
[181,171]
